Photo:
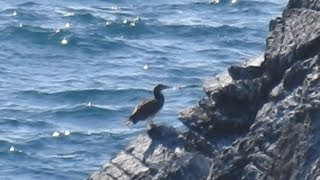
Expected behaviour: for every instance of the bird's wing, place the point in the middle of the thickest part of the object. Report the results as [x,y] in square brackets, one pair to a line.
[142,111]
[145,105]
[145,109]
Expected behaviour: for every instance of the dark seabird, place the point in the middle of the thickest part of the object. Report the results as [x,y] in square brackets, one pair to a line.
[147,109]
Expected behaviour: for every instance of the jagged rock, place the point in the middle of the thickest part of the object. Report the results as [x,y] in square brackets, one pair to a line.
[295,38]
[260,120]
[248,70]
[158,155]
[237,96]
[283,141]
[231,106]
[308,4]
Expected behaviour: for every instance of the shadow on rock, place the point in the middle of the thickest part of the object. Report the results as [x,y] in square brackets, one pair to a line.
[158,155]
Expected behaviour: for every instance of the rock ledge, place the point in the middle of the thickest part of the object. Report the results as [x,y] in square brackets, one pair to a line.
[260,120]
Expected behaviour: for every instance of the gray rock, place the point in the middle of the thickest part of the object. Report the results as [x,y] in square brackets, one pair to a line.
[307,4]
[234,98]
[283,140]
[158,155]
[260,120]
[248,70]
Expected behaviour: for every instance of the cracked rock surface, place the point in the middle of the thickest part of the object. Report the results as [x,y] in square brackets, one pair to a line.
[260,120]
[157,155]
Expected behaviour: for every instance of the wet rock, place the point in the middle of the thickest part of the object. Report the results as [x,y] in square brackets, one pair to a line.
[248,70]
[282,140]
[260,120]
[236,97]
[307,4]
[158,155]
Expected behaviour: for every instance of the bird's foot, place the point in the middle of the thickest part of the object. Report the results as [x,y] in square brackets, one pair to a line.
[151,126]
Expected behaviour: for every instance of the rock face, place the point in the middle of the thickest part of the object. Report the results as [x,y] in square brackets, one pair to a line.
[260,120]
[275,105]
[157,155]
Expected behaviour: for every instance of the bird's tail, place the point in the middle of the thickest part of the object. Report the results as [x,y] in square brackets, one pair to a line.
[128,122]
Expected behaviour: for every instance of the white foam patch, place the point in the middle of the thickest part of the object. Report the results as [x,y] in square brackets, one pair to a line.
[89,104]
[67,133]
[146,66]
[56,30]
[14,13]
[136,19]
[115,7]
[132,24]
[68,14]
[11,149]
[64,41]
[214,1]
[67,25]
[234,1]
[55,134]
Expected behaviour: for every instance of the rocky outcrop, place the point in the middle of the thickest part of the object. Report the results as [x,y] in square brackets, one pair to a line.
[157,155]
[275,104]
[260,120]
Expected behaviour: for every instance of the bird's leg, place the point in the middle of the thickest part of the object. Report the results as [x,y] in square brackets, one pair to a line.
[150,122]
[148,126]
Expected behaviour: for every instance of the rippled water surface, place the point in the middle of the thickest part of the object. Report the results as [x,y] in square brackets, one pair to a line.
[72,71]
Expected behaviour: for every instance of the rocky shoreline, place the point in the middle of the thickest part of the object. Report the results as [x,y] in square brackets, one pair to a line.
[260,120]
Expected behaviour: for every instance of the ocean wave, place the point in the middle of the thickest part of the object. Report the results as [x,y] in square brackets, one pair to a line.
[4,145]
[64,61]
[106,37]
[81,112]
[36,34]
[28,4]
[42,141]
[257,4]
[25,14]
[87,17]
[81,96]
[83,15]
[17,113]
[13,122]
[205,5]
[47,36]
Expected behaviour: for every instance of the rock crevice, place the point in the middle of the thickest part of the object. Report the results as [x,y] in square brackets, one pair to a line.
[260,120]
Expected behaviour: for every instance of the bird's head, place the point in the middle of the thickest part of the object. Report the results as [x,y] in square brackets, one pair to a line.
[160,87]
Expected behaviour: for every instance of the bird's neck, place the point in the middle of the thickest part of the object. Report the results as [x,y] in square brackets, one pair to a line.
[158,96]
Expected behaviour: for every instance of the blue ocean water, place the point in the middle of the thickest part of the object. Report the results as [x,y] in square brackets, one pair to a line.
[72,71]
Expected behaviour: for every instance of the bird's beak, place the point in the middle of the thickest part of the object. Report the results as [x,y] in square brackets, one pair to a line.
[165,87]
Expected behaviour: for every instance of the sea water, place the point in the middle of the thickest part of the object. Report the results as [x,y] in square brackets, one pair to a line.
[72,71]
